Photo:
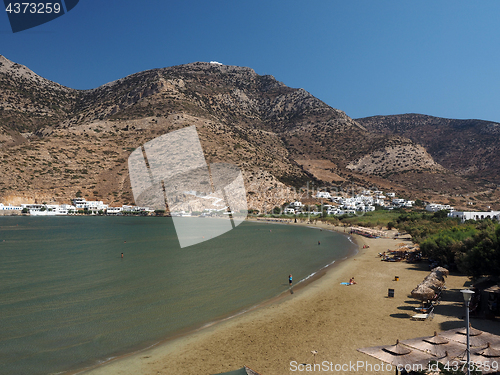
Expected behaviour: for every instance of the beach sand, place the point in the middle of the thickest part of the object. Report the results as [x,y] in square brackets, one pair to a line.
[325,316]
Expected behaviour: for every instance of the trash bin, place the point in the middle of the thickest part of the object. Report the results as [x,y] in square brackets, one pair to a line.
[396,278]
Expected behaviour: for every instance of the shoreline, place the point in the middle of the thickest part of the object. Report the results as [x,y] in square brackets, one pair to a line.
[325,316]
[190,331]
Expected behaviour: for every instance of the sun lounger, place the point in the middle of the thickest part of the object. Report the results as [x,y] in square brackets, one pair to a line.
[422,317]
[424,310]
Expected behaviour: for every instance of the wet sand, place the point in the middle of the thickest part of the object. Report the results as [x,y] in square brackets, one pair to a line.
[325,316]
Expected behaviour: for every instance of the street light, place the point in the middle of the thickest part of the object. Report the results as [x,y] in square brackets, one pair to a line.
[467,293]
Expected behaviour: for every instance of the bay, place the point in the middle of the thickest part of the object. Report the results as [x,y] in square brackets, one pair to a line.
[69,300]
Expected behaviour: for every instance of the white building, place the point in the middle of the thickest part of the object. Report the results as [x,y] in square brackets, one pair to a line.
[114,210]
[49,209]
[126,208]
[323,194]
[398,201]
[10,207]
[434,207]
[289,211]
[474,215]
[67,208]
[409,204]
[82,203]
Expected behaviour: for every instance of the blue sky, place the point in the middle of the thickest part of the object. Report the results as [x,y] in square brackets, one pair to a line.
[364,57]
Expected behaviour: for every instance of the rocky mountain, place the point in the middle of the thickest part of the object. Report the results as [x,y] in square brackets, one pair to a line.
[28,101]
[465,147]
[57,142]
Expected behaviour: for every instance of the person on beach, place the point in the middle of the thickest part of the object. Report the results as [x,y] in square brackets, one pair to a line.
[290,279]
[351,282]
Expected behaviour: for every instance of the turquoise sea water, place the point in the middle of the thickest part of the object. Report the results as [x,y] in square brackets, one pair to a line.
[68,300]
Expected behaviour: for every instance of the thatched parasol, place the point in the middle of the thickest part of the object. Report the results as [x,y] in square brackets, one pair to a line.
[436,345]
[478,339]
[444,348]
[423,292]
[435,276]
[489,362]
[441,270]
[488,352]
[433,282]
[397,355]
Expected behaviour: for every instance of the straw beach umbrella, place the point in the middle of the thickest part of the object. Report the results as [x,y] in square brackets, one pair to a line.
[398,355]
[487,359]
[436,345]
[478,339]
[441,270]
[433,283]
[489,352]
[423,292]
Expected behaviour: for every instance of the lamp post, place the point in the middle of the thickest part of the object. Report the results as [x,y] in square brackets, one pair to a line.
[467,293]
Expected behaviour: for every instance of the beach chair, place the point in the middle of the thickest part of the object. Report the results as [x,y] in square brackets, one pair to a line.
[424,316]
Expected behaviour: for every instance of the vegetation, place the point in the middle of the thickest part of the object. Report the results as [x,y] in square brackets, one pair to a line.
[474,248]
[471,247]
[372,219]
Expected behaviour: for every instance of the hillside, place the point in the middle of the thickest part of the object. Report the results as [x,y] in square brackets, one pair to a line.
[57,142]
[466,147]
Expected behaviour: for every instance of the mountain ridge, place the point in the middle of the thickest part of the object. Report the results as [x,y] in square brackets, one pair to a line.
[281,137]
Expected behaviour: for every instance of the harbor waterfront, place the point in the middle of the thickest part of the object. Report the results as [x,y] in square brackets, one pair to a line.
[69,300]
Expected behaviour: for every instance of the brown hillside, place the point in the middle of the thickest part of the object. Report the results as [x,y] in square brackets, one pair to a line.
[56,142]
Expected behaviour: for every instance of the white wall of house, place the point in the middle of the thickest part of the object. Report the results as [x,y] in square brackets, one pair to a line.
[475,215]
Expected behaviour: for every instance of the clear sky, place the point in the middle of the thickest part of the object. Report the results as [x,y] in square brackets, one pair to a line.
[366,58]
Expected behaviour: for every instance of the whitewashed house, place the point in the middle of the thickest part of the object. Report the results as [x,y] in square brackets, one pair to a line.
[323,194]
[434,207]
[474,215]
[114,211]
[398,201]
[94,206]
[10,207]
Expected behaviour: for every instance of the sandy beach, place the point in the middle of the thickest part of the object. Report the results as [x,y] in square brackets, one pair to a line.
[325,316]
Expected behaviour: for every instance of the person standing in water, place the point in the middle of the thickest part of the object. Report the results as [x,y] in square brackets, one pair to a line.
[290,279]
